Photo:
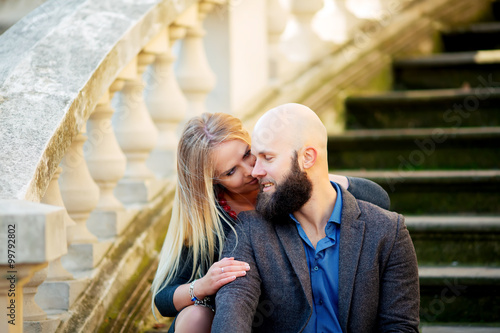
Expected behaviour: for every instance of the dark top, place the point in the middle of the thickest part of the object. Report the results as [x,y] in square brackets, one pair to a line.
[360,188]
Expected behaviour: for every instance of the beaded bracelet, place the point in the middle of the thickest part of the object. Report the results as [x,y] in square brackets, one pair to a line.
[191,292]
[196,300]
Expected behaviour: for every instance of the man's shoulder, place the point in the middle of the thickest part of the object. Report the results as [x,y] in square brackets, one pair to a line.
[249,215]
[379,218]
[251,219]
[367,211]
[370,209]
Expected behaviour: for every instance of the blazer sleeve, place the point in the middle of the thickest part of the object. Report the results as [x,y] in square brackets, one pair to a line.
[236,302]
[399,294]
[367,190]
[164,300]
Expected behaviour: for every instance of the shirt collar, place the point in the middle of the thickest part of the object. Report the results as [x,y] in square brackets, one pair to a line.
[337,210]
[336,214]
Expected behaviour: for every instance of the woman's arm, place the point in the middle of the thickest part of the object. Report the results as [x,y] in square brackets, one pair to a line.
[175,296]
[219,274]
[364,189]
[341,180]
[367,190]
[164,300]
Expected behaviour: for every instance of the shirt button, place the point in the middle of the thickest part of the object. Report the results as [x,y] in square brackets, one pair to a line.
[320,302]
[316,268]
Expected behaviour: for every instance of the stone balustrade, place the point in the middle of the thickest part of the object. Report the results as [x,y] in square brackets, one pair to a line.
[92,98]
[31,234]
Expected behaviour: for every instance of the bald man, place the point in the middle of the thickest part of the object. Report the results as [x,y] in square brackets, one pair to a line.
[321,260]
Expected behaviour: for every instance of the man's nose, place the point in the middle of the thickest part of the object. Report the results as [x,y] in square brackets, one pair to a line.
[258,171]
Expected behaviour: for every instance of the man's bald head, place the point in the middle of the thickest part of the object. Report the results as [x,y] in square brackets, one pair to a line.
[293,125]
[289,143]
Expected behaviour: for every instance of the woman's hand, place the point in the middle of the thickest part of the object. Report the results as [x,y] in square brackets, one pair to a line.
[222,272]
[341,180]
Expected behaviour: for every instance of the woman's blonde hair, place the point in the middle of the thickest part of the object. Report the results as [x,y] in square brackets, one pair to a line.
[196,222]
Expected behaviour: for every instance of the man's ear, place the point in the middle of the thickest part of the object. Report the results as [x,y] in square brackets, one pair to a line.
[310,154]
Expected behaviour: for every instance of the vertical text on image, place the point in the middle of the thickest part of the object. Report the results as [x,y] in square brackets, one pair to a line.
[11,273]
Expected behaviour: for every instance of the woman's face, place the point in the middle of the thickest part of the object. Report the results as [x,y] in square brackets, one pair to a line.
[233,167]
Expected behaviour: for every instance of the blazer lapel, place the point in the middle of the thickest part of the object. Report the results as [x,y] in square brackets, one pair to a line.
[351,241]
[292,243]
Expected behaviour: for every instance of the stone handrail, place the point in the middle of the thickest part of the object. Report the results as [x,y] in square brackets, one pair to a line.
[55,65]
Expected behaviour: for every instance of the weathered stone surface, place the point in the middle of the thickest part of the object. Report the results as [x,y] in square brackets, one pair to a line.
[129,257]
[38,230]
[54,66]
[60,295]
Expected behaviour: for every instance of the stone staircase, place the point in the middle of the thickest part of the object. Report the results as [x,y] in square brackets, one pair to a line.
[434,144]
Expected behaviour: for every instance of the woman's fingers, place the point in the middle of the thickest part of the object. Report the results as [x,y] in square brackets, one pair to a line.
[228,266]
[231,262]
[223,272]
[234,268]
[229,277]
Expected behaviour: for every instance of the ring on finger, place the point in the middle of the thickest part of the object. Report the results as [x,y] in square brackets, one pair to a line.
[222,269]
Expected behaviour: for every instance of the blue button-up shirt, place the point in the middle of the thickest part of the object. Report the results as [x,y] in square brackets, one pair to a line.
[323,263]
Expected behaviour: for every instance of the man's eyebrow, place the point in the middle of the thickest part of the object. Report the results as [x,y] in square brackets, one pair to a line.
[264,152]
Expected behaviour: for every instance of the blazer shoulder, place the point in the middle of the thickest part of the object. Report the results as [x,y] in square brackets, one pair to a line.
[251,219]
[382,219]
[249,215]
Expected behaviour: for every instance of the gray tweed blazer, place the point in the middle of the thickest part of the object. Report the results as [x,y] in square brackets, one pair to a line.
[378,275]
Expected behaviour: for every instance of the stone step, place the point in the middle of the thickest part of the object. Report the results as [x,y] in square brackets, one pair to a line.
[438,192]
[495,9]
[479,36]
[448,70]
[456,240]
[415,149]
[424,109]
[459,294]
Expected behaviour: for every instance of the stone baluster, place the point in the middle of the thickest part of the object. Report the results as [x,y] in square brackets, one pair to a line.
[33,235]
[167,105]
[277,18]
[32,312]
[194,74]
[231,44]
[59,289]
[12,283]
[299,42]
[335,22]
[136,134]
[35,319]
[80,195]
[107,165]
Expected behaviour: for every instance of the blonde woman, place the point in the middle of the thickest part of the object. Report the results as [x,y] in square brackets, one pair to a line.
[214,185]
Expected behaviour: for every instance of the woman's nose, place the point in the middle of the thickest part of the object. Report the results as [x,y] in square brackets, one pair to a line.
[249,167]
[252,160]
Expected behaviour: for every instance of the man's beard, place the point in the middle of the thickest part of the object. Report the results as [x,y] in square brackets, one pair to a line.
[287,198]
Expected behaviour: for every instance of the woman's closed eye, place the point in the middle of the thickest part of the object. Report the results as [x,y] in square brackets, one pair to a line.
[230,172]
[248,153]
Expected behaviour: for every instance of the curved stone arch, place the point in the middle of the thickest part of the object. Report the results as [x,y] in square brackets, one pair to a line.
[49,87]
